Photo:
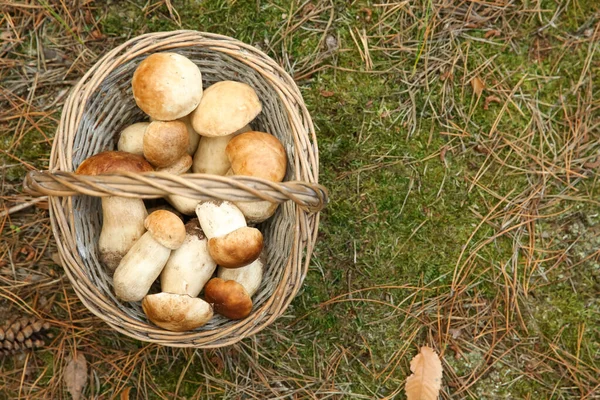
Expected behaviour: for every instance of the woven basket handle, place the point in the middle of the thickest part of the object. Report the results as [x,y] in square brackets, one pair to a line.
[311,197]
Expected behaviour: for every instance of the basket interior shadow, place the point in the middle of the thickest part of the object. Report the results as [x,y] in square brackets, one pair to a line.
[112,107]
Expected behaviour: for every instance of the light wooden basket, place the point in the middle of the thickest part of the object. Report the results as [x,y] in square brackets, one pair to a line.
[102,104]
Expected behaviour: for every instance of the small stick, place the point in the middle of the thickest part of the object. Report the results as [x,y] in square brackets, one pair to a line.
[22,206]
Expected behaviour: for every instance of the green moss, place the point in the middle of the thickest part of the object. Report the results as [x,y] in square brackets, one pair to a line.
[398,215]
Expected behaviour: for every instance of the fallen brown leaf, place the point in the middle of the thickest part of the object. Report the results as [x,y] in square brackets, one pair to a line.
[426,380]
[327,93]
[125,394]
[477,85]
[76,375]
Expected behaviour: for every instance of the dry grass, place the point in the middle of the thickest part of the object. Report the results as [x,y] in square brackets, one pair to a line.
[531,165]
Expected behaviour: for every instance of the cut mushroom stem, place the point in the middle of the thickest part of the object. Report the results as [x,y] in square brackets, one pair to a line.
[190,266]
[146,259]
[176,312]
[228,298]
[231,243]
[250,276]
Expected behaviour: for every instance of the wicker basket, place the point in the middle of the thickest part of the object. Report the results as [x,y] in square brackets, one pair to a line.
[102,104]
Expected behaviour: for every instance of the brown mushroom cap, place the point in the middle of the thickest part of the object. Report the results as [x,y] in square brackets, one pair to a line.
[228,298]
[166,228]
[177,312]
[257,154]
[109,162]
[226,107]
[237,248]
[167,86]
[165,142]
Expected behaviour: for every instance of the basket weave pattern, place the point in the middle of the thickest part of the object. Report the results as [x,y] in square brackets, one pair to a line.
[102,104]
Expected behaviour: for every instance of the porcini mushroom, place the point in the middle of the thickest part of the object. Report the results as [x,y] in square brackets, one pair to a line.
[131,138]
[228,298]
[167,86]
[261,155]
[192,134]
[146,259]
[165,142]
[231,243]
[190,266]
[122,217]
[250,276]
[210,157]
[226,107]
[180,166]
[257,154]
[176,312]
[183,204]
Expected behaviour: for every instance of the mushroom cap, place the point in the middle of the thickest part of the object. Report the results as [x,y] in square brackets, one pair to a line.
[257,211]
[228,298]
[165,142]
[225,107]
[109,162]
[176,312]
[257,154]
[131,138]
[183,204]
[166,228]
[167,86]
[180,166]
[237,248]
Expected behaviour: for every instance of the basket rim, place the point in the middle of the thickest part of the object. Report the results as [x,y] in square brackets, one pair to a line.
[306,220]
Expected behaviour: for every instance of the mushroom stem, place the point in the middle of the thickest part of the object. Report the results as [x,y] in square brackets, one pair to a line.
[145,260]
[190,266]
[122,226]
[139,268]
[249,276]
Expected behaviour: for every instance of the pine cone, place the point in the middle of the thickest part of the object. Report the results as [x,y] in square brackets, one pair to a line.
[22,334]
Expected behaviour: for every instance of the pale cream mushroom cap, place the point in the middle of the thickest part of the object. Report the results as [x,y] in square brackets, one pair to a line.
[167,86]
[177,312]
[131,138]
[226,107]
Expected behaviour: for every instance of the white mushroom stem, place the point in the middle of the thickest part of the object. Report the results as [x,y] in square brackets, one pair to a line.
[190,266]
[122,226]
[250,276]
[210,157]
[139,268]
